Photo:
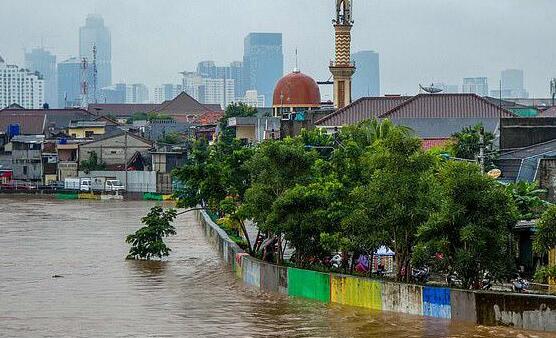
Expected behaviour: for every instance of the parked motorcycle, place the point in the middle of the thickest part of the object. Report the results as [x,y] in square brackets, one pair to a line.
[420,275]
[486,282]
[520,284]
[453,280]
[336,261]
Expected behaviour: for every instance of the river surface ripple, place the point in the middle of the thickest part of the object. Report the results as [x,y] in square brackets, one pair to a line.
[191,295]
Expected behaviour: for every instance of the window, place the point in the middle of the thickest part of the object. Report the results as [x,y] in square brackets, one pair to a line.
[24,170]
[89,133]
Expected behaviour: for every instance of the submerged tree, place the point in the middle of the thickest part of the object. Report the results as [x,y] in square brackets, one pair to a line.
[148,242]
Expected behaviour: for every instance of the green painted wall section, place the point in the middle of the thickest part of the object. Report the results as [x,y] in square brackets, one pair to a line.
[309,284]
[356,291]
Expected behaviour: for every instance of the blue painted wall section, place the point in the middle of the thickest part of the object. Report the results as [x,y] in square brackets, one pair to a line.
[436,302]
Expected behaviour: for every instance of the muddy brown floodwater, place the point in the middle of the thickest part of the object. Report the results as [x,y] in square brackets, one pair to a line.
[99,294]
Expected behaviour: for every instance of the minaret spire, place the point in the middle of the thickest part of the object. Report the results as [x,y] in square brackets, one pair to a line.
[342,68]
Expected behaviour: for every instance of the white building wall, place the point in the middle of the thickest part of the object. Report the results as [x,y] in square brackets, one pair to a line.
[20,86]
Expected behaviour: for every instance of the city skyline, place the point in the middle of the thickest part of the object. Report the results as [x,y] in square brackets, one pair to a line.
[430,46]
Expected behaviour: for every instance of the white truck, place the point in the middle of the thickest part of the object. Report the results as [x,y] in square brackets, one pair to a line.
[90,184]
[72,183]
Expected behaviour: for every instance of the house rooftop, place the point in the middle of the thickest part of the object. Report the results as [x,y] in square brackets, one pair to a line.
[28,138]
[87,124]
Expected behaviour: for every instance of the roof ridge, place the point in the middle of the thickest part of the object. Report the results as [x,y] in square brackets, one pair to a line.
[420,95]
[384,115]
[324,118]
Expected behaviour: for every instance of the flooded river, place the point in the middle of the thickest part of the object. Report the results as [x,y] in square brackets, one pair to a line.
[191,295]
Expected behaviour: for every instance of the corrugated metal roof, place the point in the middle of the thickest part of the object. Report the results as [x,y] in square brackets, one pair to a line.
[447,106]
[362,109]
[59,118]
[121,109]
[548,113]
[28,124]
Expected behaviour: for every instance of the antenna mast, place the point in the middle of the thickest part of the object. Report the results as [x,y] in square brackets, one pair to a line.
[84,84]
[95,73]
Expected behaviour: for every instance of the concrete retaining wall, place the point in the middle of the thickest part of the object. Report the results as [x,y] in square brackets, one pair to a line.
[531,312]
[309,284]
[404,298]
[350,290]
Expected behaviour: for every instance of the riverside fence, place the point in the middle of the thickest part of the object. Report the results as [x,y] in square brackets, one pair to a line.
[523,311]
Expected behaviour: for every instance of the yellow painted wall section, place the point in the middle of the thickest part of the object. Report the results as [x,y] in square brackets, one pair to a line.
[552,262]
[81,132]
[356,292]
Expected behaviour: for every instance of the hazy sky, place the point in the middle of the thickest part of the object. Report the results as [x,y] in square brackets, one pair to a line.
[419,41]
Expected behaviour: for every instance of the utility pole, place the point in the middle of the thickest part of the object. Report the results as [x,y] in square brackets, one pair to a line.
[125,159]
[482,149]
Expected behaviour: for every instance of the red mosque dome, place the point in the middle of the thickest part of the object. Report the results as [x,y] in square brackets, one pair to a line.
[296,90]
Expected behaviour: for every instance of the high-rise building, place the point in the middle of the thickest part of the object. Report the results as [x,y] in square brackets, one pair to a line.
[366,81]
[115,93]
[20,86]
[124,93]
[263,62]
[206,90]
[94,33]
[69,76]
[44,62]
[512,84]
[167,92]
[253,99]
[137,93]
[475,85]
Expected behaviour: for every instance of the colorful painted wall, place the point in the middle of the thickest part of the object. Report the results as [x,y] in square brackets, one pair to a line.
[522,311]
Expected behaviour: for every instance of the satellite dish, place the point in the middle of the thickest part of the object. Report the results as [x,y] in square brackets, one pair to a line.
[431,89]
[494,173]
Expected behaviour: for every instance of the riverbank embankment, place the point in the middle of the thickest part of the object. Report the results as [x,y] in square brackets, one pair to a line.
[523,311]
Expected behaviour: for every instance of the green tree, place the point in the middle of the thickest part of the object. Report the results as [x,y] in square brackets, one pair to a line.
[227,134]
[148,242]
[528,199]
[396,198]
[472,228]
[172,138]
[545,237]
[467,144]
[92,163]
[303,213]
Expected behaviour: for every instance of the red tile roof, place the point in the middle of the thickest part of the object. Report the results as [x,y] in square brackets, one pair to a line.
[182,104]
[362,109]
[428,143]
[210,118]
[447,106]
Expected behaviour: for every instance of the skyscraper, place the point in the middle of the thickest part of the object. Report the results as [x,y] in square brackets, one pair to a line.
[94,33]
[42,61]
[69,83]
[475,85]
[366,81]
[513,84]
[20,86]
[263,62]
